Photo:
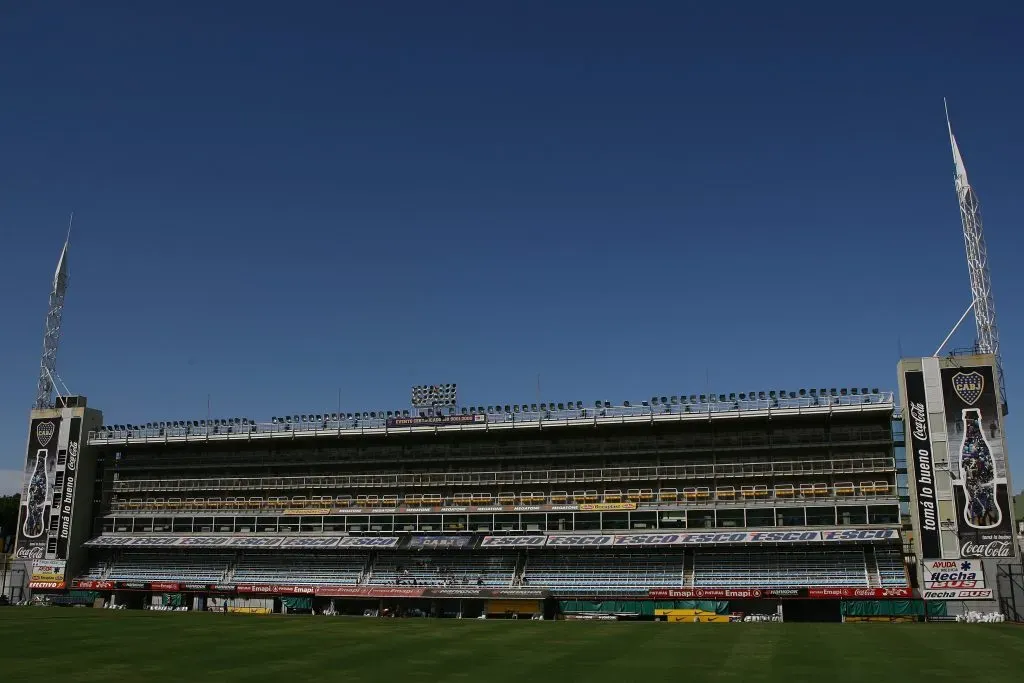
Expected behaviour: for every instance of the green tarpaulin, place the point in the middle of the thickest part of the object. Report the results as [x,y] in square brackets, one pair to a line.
[297,603]
[173,600]
[892,608]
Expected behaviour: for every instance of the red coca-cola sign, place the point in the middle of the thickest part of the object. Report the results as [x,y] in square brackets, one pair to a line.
[95,585]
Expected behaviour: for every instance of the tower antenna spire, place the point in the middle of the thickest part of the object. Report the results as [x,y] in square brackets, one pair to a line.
[51,335]
[977,263]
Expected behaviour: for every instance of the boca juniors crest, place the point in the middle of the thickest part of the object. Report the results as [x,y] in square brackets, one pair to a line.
[968,386]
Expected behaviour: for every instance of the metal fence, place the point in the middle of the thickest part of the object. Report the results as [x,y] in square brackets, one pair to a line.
[1010,587]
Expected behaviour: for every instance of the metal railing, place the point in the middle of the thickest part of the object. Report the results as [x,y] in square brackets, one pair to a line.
[377,421]
[516,477]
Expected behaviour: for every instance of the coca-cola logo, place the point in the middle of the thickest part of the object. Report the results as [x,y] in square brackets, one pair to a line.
[72,456]
[991,549]
[29,553]
[919,418]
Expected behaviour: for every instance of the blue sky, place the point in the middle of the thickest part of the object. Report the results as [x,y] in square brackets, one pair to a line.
[277,202]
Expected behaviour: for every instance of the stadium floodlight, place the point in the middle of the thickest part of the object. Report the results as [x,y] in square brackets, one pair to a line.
[771,394]
[842,391]
[429,395]
[626,404]
[874,391]
[854,391]
[863,390]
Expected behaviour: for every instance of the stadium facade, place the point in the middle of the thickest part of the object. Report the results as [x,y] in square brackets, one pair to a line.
[757,502]
[796,503]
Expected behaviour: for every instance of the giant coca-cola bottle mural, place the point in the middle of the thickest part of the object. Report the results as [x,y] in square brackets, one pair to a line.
[977,475]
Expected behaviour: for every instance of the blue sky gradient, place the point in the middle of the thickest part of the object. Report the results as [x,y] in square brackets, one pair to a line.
[274,203]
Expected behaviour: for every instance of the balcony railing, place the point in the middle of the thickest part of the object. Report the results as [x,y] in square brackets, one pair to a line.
[377,422]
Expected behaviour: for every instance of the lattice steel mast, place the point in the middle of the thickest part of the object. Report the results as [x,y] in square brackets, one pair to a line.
[977,265]
[51,338]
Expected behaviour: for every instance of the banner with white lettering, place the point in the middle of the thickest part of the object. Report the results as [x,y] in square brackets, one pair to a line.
[67,462]
[437,542]
[958,594]
[814,593]
[551,541]
[922,466]
[978,462]
[257,542]
[953,574]
[724,538]
[512,541]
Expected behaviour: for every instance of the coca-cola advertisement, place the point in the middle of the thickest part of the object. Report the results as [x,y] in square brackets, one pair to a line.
[37,493]
[922,465]
[977,463]
[67,461]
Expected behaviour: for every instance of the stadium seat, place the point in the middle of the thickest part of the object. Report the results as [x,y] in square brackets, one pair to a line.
[782,568]
[594,570]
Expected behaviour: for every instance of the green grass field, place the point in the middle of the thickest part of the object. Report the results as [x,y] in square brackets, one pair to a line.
[74,645]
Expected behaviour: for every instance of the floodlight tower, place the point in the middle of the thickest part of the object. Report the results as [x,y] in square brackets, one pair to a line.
[51,337]
[434,397]
[977,265]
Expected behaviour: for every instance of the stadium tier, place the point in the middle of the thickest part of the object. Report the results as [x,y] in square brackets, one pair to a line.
[786,493]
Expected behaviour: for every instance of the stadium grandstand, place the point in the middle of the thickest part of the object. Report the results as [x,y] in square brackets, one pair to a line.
[769,500]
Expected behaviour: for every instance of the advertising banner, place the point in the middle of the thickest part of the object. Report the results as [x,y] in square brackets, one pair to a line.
[500,593]
[309,512]
[368,592]
[37,492]
[724,538]
[978,463]
[163,586]
[953,574]
[85,584]
[513,541]
[777,593]
[922,466]
[67,461]
[438,542]
[606,507]
[48,571]
[958,594]
[435,420]
[291,542]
